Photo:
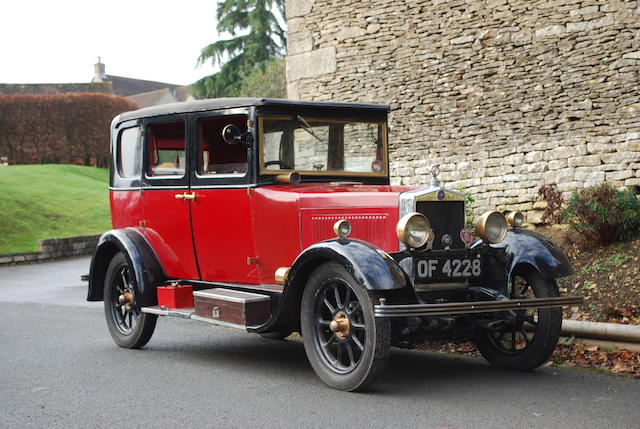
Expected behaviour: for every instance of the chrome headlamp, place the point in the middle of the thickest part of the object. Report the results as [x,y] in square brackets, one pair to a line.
[492,226]
[515,219]
[342,228]
[413,230]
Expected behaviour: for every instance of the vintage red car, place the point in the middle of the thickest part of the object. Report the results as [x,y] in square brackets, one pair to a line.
[277,216]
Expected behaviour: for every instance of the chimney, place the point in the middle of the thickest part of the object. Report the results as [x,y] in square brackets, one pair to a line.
[99,70]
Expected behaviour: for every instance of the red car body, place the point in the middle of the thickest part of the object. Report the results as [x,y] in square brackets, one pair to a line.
[211,237]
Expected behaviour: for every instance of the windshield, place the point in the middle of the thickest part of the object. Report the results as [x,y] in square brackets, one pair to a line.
[322,146]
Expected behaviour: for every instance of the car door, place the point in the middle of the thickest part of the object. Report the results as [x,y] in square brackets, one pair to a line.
[221,210]
[167,196]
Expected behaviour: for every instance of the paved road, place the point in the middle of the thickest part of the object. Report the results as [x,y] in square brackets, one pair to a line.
[55,282]
[59,368]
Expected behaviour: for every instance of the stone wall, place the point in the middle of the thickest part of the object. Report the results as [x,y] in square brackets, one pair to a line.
[505,95]
[54,248]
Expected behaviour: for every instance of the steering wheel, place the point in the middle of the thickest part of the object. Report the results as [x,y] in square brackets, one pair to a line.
[275,162]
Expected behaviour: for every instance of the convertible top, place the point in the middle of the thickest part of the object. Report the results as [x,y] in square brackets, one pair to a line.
[230,103]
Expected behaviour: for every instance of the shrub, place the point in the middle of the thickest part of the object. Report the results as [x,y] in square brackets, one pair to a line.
[468,208]
[603,215]
[58,128]
[553,212]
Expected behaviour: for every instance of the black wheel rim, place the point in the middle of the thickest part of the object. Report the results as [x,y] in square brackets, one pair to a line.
[125,315]
[518,330]
[342,351]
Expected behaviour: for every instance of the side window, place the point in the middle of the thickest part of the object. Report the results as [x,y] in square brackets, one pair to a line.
[167,155]
[129,153]
[214,155]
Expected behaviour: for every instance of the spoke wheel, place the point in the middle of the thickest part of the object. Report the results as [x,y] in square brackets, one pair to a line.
[346,345]
[129,327]
[523,339]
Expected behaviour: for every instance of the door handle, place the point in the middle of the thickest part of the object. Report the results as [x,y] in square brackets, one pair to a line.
[185,196]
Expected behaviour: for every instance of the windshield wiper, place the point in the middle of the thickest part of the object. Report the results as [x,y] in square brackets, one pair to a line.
[305,126]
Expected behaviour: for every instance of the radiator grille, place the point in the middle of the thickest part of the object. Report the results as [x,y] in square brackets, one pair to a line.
[446,217]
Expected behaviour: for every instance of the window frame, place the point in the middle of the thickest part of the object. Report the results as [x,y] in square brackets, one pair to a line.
[263,171]
[221,180]
[171,181]
[118,153]
[117,182]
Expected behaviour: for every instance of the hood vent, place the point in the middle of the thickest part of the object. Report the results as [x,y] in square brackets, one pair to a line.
[371,227]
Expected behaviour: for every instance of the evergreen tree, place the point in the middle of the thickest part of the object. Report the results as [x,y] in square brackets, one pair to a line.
[257,38]
[267,81]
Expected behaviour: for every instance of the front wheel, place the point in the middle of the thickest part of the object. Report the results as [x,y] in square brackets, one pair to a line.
[523,340]
[345,344]
[128,326]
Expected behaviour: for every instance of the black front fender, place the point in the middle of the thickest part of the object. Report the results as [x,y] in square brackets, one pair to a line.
[522,246]
[139,255]
[371,267]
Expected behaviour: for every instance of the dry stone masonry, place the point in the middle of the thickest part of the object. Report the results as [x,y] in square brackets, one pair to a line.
[505,95]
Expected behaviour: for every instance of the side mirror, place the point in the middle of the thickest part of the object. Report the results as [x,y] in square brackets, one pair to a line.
[231,134]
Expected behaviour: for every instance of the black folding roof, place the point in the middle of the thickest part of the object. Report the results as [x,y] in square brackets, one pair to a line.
[230,103]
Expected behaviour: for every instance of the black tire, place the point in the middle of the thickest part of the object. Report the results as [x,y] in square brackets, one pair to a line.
[276,335]
[526,341]
[349,359]
[128,326]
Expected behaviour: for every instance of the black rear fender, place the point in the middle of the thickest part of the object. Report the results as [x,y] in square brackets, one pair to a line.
[139,255]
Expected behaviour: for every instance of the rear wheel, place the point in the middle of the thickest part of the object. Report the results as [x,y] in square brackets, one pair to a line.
[346,345]
[128,326]
[524,339]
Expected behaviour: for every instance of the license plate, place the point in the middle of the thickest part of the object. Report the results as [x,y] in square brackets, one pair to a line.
[447,268]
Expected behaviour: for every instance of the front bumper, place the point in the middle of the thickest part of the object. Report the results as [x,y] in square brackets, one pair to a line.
[406,310]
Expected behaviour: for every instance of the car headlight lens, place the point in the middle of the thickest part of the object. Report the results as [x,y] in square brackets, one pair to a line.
[414,230]
[492,226]
[515,219]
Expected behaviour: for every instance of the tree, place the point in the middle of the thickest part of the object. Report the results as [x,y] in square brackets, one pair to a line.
[267,81]
[257,38]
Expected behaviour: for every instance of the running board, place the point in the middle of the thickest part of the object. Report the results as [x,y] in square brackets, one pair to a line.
[223,307]
[406,310]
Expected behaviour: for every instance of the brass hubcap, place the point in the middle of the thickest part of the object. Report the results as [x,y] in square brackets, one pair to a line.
[340,325]
[126,299]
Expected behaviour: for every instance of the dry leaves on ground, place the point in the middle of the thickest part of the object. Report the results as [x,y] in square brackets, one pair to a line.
[574,354]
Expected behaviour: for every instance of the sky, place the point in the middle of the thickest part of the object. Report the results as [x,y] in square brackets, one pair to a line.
[59,41]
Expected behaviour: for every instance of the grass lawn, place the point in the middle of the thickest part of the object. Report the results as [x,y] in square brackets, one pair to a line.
[51,201]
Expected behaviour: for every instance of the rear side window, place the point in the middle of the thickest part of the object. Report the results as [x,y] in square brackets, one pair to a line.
[129,152]
[167,156]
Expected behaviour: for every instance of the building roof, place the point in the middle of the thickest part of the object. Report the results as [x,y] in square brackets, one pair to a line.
[229,103]
[153,98]
[144,92]
[126,86]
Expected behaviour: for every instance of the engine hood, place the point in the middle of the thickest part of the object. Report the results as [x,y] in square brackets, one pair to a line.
[326,195]
[372,211]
